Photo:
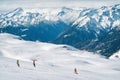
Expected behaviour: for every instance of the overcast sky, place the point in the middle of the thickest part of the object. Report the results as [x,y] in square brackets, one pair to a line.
[12,4]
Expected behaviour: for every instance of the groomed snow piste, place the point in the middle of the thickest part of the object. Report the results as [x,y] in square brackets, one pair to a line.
[54,62]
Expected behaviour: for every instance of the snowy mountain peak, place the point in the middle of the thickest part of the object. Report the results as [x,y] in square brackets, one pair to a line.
[117,6]
[66,9]
[18,10]
[104,7]
[15,12]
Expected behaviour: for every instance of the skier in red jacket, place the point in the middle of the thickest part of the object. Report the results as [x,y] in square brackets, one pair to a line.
[34,63]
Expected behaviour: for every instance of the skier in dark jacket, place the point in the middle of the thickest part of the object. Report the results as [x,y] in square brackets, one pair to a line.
[18,64]
[75,71]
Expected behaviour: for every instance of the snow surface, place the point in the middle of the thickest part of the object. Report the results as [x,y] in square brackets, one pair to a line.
[115,55]
[54,62]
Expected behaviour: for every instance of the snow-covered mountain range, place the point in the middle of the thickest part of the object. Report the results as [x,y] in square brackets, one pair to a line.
[84,28]
[29,17]
[95,30]
[38,24]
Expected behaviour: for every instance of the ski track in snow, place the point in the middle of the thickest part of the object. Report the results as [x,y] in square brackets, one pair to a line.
[54,62]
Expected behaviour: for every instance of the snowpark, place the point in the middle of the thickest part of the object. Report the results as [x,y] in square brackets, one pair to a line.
[53,62]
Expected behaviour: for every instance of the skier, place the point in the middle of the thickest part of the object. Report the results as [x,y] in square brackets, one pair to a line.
[34,63]
[75,71]
[18,64]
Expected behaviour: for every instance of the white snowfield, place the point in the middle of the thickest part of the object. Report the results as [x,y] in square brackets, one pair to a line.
[116,55]
[54,62]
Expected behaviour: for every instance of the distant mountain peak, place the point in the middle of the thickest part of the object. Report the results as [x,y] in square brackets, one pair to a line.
[18,9]
[66,9]
[15,12]
[117,5]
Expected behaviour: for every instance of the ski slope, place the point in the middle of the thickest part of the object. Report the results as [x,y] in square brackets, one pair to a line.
[54,62]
